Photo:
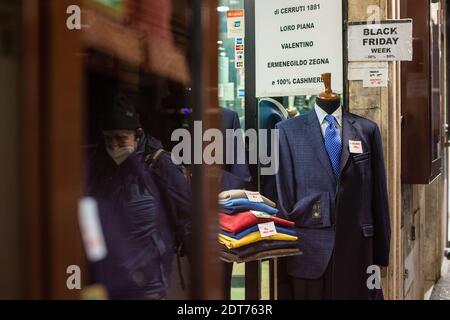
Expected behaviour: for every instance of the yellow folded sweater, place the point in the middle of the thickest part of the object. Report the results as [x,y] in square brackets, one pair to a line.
[253,237]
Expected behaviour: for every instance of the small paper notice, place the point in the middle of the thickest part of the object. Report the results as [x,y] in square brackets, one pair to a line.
[355,147]
[358,70]
[267,229]
[235,24]
[260,214]
[375,78]
[254,196]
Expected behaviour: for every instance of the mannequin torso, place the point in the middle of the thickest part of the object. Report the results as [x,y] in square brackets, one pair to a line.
[329,106]
[328,101]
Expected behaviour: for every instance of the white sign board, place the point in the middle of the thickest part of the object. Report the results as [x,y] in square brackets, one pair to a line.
[389,40]
[297,41]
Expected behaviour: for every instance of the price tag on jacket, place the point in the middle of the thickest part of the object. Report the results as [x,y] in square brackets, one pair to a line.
[355,146]
[267,229]
[260,214]
[254,196]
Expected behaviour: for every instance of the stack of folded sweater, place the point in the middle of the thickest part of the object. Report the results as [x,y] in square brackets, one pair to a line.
[245,215]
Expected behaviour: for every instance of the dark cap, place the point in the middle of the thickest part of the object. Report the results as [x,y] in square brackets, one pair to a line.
[122,115]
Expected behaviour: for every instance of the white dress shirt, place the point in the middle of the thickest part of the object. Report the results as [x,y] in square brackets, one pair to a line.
[321,114]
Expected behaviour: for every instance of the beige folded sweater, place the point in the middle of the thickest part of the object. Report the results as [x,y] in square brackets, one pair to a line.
[236,194]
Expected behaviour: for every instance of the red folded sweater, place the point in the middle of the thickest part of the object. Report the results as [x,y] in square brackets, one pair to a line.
[244,220]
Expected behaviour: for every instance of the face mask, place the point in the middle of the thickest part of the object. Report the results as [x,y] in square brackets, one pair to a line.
[119,155]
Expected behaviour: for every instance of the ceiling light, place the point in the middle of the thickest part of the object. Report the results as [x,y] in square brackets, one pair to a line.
[223,9]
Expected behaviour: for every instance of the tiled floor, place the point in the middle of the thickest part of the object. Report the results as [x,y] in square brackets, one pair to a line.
[238,282]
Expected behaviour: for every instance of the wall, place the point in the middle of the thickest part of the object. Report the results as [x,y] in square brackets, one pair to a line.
[382,105]
[417,212]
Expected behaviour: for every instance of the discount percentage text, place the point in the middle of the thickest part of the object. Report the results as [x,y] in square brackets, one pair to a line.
[288,82]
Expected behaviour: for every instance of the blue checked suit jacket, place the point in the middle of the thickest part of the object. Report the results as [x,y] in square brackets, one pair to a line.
[347,219]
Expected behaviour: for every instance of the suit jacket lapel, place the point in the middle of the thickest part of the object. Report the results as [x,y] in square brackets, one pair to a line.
[317,142]
[348,133]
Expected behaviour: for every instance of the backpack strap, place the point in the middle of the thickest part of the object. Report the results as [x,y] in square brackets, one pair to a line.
[153,157]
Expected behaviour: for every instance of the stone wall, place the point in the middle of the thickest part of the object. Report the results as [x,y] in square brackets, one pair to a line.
[417,212]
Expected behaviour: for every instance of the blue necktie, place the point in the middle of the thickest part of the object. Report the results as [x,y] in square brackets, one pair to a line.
[333,144]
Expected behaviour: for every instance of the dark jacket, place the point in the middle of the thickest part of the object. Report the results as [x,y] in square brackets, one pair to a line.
[137,232]
[174,190]
[347,219]
[234,176]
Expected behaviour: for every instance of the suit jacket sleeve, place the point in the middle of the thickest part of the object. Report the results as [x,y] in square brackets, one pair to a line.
[382,228]
[285,177]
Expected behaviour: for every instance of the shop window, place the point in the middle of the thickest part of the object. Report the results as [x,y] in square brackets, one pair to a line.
[236,82]
[137,73]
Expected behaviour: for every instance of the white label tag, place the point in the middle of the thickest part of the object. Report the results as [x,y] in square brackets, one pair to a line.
[355,146]
[91,230]
[254,196]
[260,214]
[267,229]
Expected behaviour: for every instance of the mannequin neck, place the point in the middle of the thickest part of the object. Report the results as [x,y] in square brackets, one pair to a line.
[329,106]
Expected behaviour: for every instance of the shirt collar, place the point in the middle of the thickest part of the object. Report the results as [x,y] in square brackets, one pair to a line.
[321,114]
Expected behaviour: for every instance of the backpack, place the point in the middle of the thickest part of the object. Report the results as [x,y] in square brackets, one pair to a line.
[151,159]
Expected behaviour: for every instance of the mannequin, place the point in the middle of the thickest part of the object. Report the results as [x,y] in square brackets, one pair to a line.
[316,188]
[328,101]
[292,112]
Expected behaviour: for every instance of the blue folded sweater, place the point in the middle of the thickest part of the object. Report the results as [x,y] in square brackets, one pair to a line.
[233,206]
